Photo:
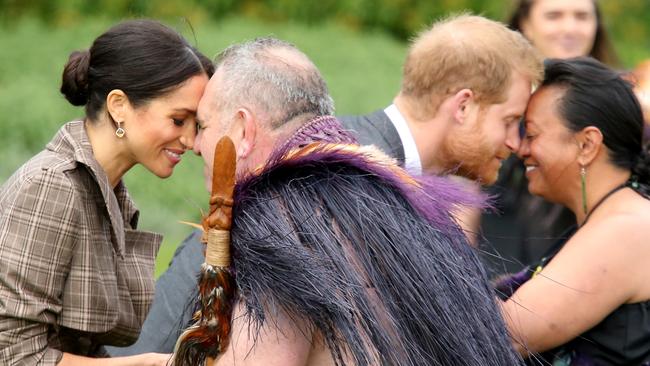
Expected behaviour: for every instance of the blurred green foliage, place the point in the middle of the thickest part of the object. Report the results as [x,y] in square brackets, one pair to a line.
[399,17]
[626,20]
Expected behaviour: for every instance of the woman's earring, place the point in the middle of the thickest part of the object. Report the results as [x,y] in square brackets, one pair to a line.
[120,131]
[583,183]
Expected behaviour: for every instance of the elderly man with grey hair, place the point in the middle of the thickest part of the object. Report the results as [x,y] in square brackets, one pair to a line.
[261,93]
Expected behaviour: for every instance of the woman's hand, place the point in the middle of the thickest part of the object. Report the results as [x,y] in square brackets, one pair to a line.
[154,359]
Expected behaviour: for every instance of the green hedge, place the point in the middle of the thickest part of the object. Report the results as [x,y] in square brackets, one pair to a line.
[626,20]
[399,17]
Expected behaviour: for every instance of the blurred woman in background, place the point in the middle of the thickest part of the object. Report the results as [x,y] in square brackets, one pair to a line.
[564,29]
[75,273]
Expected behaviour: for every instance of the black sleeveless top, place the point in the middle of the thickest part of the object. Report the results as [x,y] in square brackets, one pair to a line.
[622,338]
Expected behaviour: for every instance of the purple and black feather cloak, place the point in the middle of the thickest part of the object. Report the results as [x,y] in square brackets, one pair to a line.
[370,258]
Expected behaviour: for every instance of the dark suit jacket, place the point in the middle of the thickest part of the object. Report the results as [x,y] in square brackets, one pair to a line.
[170,312]
[376,129]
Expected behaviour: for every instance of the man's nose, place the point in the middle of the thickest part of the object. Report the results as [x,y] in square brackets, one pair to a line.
[569,24]
[513,139]
[524,149]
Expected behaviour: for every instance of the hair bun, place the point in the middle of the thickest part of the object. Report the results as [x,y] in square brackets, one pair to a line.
[74,84]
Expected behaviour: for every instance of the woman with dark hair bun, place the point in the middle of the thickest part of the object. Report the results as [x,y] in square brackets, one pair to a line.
[587,302]
[76,274]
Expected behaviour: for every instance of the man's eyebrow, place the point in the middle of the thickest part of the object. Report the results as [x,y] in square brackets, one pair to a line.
[515,116]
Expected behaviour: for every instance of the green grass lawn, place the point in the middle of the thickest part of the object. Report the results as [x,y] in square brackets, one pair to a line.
[362,70]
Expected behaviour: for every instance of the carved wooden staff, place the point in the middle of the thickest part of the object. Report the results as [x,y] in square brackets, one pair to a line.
[208,336]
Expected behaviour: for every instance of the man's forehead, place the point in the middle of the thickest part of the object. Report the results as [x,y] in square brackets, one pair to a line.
[203,110]
[208,100]
[213,85]
[518,94]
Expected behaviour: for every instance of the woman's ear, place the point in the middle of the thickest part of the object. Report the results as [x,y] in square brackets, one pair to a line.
[590,143]
[117,105]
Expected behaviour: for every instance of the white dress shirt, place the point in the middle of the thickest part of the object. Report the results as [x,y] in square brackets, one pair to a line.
[412,161]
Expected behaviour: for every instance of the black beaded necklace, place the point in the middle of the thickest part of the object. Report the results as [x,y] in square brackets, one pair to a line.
[569,232]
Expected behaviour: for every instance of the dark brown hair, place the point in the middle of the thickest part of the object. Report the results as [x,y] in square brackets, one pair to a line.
[595,95]
[143,58]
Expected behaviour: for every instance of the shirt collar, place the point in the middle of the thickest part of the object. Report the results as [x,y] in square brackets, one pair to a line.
[72,140]
[412,161]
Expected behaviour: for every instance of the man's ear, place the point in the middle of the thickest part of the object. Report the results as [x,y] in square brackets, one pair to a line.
[246,131]
[590,142]
[461,103]
[118,105]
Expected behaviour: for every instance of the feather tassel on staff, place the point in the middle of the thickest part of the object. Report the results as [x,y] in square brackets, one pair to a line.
[208,337]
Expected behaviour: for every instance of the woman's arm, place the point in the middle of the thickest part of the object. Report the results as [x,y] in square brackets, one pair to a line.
[587,280]
[38,226]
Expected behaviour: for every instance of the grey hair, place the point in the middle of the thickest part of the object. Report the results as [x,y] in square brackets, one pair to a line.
[255,72]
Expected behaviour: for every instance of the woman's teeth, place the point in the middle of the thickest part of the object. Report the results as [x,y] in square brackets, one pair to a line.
[173,154]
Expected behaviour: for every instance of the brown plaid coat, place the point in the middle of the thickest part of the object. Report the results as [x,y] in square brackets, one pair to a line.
[74,272]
